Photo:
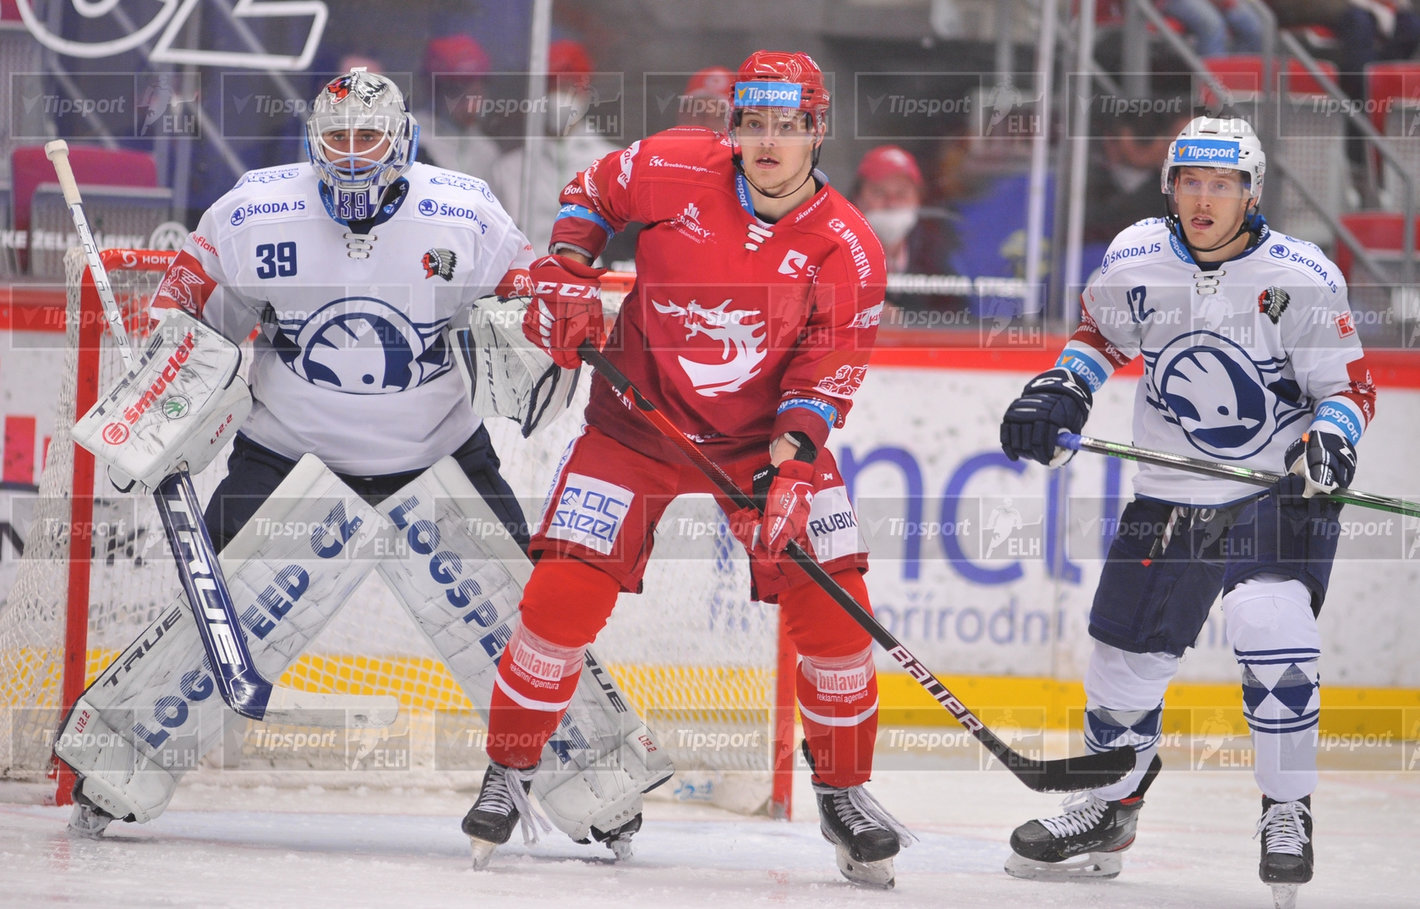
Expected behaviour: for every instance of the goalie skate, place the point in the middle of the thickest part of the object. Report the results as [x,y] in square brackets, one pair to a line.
[87,819]
[1085,842]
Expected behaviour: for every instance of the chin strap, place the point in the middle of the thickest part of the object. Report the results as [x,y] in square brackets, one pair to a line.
[1250,225]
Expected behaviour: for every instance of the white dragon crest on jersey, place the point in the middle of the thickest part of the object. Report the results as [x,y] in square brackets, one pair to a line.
[742,344]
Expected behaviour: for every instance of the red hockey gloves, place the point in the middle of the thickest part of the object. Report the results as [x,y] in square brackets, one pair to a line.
[786,507]
[787,492]
[1325,460]
[566,308]
[1056,400]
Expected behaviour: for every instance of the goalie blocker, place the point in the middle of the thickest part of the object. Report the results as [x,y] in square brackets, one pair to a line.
[179,405]
[152,714]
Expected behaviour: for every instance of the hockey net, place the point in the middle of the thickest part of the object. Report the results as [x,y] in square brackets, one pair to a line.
[704,665]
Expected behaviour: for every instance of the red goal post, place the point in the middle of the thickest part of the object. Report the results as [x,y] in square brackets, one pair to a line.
[711,671]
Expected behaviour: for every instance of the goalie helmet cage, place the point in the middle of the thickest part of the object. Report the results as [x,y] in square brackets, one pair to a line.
[712,672]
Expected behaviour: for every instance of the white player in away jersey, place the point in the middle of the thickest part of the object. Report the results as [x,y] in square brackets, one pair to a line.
[382,294]
[1250,358]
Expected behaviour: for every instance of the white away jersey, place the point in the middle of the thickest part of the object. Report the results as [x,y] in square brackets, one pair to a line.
[1238,361]
[349,362]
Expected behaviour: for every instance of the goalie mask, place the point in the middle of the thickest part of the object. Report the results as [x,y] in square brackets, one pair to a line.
[361,139]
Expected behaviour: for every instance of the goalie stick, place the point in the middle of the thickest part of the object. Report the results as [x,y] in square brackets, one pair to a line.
[1064,775]
[1128,452]
[242,687]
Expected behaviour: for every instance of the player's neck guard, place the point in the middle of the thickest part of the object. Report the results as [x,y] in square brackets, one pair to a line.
[394,197]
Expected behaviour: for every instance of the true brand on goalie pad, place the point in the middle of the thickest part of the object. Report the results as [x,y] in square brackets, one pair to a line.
[180,404]
[154,713]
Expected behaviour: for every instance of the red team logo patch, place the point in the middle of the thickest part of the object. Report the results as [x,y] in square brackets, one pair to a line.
[1344,326]
[115,433]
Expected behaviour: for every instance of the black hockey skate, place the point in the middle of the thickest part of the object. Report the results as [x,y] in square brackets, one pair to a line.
[502,802]
[864,836]
[1093,831]
[1286,831]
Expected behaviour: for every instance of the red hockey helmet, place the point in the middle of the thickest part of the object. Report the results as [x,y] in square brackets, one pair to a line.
[782,79]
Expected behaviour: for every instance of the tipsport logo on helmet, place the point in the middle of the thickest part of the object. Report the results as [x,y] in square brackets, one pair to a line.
[768,94]
[1214,152]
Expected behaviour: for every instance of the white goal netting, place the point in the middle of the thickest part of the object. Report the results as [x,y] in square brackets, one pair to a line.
[694,654]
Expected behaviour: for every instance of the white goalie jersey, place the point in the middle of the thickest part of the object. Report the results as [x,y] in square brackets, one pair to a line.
[350,326]
[1238,361]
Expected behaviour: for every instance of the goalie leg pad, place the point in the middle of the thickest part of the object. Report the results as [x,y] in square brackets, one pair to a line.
[461,580]
[155,711]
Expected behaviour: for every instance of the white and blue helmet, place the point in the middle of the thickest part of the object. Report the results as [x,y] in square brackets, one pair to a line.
[1229,143]
[360,100]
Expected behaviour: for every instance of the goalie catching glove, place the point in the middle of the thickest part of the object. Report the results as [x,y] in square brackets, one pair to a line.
[178,406]
[502,371]
[1053,402]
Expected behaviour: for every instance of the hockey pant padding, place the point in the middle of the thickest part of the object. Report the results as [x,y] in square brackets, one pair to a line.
[155,711]
[532,691]
[1275,639]
[1124,701]
[836,684]
[461,576]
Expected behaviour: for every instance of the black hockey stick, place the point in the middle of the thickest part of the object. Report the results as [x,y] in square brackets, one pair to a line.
[1065,775]
[242,686]
[1128,452]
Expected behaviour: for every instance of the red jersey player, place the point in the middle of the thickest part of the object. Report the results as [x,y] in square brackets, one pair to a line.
[758,294]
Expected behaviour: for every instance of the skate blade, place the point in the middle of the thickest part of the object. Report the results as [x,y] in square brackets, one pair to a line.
[482,852]
[87,824]
[620,847]
[1094,866]
[865,874]
[1284,896]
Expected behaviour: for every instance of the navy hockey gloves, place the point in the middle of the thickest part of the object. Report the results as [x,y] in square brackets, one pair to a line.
[1325,460]
[1055,401]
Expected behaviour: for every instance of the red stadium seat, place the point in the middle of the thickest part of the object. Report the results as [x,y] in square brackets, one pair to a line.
[29,167]
[1381,232]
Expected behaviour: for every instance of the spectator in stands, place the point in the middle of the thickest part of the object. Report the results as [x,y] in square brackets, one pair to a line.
[706,99]
[453,74]
[568,142]
[1217,26]
[890,191]
[1122,185]
[1366,31]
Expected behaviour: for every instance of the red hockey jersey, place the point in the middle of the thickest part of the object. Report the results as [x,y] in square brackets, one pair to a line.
[738,330]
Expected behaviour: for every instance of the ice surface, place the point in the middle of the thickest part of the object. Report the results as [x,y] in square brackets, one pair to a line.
[223,846]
